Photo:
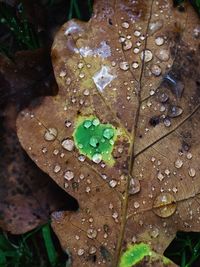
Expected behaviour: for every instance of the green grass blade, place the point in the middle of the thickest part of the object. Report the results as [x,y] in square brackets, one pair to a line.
[76,8]
[90,6]
[70,10]
[51,251]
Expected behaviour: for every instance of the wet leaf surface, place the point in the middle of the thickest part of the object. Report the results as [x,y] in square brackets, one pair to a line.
[132,70]
[27,195]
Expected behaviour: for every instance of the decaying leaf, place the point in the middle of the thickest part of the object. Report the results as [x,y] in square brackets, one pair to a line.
[122,134]
[27,195]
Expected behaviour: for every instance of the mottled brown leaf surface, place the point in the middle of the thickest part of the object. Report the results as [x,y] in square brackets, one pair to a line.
[152,189]
[27,195]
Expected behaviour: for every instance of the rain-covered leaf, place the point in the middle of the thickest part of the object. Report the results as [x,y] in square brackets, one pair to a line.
[27,195]
[122,135]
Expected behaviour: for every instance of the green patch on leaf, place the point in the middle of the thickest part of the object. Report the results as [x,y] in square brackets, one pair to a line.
[95,140]
[136,253]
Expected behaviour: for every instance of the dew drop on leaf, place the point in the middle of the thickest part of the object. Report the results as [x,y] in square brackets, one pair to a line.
[164,205]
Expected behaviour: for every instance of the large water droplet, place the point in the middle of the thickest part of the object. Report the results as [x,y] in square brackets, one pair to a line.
[164,205]
[69,175]
[191,172]
[108,133]
[134,186]
[159,40]
[96,158]
[96,122]
[124,65]
[57,168]
[135,64]
[127,45]
[167,122]
[91,233]
[156,70]
[125,25]
[87,124]
[163,97]
[146,55]
[113,183]
[178,163]
[174,111]
[50,134]
[94,141]
[68,144]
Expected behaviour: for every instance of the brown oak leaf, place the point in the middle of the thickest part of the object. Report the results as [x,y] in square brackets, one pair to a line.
[122,135]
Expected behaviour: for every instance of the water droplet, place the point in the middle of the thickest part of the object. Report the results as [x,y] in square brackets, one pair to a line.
[189,155]
[80,252]
[108,133]
[137,33]
[178,163]
[174,111]
[167,122]
[164,205]
[57,168]
[92,250]
[159,41]
[135,64]
[44,150]
[81,158]
[50,134]
[68,123]
[96,158]
[156,70]
[162,54]
[80,65]
[127,45]
[87,124]
[167,172]
[136,50]
[163,97]
[113,183]
[91,233]
[125,25]
[155,233]
[124,65]
[134,186]
[68,144]
[175,190]
[136,205]
[196,32]
[68,175]
[155,26]
[68,81]
[122,39]
[81,75]
[88,189]
[56,152]
[191,172]
[160,176]
[115,215]
[96,122]
[146,55]
[86,92]
[94,141]
[63,73]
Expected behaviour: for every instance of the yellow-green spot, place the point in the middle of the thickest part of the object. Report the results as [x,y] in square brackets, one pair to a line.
[95,139]
[136,253]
